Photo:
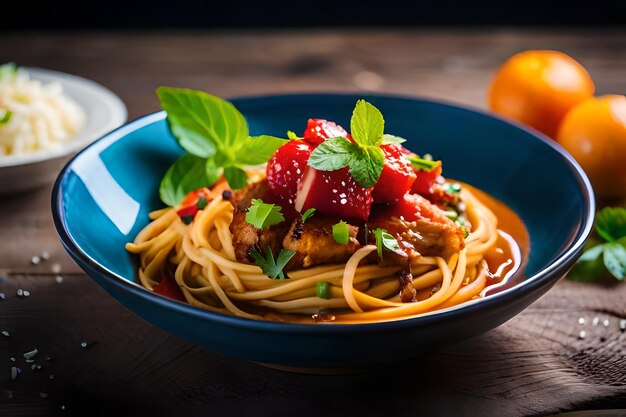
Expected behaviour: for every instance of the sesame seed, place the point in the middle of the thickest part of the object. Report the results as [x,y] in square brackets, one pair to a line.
[5,333]
[606,323]
[343,201]
[12,359]
[20,292]
[35,260]
[15,371]
[581,320]
[59,279]
[56,268]
[83,344]
[45,255]
[595,321]
[582,334]
[26,293]
[31,354]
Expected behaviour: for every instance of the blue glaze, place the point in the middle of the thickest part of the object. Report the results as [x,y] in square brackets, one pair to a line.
[102,198]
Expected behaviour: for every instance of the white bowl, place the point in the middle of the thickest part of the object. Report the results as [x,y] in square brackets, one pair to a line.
[104,111]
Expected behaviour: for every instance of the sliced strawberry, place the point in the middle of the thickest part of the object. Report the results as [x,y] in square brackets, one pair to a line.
[426,180]
[397,176]
[334,193]
[318,130]
[286,167]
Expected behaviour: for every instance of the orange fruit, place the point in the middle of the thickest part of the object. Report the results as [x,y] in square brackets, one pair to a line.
[594,133]
[538,88]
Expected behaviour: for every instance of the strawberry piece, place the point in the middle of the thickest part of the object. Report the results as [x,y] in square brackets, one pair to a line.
[286,167]
[425,180]
[334,193]
[397,176]
[318,130]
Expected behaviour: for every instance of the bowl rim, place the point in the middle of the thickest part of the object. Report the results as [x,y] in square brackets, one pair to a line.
[558,266]
[109,100]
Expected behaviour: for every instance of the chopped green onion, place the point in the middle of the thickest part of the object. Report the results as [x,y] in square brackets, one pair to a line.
[307,214]
[341,232]
[322,290]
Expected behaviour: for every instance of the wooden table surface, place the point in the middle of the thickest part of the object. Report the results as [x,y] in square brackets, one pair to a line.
[534,365]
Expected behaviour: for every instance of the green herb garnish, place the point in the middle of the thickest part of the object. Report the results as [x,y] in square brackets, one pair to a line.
[291,135]
[273,268]
[263,216]
[5,116]
[8,70]
[322,290]
[308,213]
[385,240]
[608,257]
[364,156]
[202,202]
[216,134]
[454,188]
[423,164]
[392,140]
[341,232]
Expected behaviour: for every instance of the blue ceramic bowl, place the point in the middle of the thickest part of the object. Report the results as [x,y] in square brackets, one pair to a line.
[103,196]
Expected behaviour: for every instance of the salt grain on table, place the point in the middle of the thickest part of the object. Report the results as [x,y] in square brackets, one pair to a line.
[582,334]
[59,279]
[56,268]
[35,260]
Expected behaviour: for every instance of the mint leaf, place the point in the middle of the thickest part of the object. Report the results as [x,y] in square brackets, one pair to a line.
[333,154]
[611,223]
[385,240]
[591,254]
[367,165]
[236,177]
[392,140]
[257,150]
[615,259]
[185,175]
[5,116]
[263,216]
[201,122]
[307,214]
[271,267]
[367,124]
[423,164]
[341,232]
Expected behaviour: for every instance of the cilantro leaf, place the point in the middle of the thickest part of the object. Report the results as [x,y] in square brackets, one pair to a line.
[5,116]
[186,174]
[333,154]
[385,240]
[367,124]
[423,164]
[341,232]
[367,167]
[308,213]
[200,122]
[271,267]
[392,140]
[256,150]
[611,223]
[615,259]
[263,216]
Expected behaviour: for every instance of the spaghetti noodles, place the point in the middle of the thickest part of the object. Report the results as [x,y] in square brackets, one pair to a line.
[205,267]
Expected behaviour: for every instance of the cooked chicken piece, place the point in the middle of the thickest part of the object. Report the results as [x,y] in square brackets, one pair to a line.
[314,243]
[431,234]
[246,237]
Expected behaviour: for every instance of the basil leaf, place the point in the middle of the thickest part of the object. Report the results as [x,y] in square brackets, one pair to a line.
[392,140]
[333,154]
[611,223]
[185,175]
[367,124]
[341,232]
[236,177]
[201,122]
[213,171]
[257,150]
[367,167]
[591,254]
[615,259]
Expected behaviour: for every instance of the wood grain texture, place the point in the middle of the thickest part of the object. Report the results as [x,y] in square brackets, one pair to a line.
[534,365]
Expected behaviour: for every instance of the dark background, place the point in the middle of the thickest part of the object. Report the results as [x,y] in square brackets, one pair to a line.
[118,14]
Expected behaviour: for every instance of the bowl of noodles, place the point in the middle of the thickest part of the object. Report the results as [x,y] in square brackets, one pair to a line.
[354,241]
[45,117]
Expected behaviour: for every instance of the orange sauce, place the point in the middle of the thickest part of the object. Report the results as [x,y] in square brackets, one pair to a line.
[510,253]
